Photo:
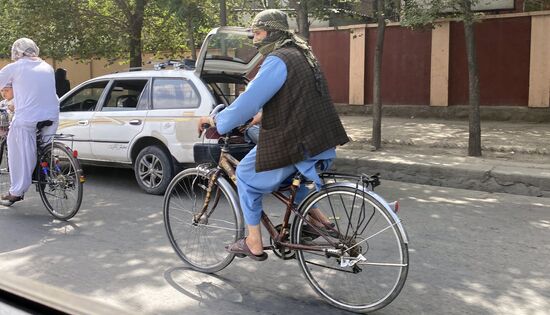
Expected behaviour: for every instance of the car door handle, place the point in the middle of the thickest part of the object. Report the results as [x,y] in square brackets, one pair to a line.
[135,122]
[83,122]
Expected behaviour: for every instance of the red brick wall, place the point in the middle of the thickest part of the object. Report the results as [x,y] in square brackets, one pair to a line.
[332,50]
[503,47]
[405,66]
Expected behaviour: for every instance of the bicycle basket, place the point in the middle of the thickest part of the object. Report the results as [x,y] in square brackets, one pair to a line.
[210,152]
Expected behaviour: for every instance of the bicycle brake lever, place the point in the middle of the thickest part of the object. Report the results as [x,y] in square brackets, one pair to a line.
[203,127]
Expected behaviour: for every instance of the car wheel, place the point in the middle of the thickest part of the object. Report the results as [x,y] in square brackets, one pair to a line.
[153,170]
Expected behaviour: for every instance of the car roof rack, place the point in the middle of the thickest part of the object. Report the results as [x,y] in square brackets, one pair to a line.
[183,64]
[129,69]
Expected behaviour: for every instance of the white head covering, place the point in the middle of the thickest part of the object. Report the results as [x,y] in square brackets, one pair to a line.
[24,47]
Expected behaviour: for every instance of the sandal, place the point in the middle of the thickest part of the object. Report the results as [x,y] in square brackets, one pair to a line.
[241,250]
[9,199]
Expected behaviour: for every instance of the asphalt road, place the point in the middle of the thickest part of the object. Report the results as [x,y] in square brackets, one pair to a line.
[471,252]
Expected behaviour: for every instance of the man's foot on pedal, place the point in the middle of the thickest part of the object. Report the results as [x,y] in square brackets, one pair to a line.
[309,233]
[9,199]
[241,250]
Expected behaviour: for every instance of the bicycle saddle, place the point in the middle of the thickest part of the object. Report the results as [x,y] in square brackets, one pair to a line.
[44,123]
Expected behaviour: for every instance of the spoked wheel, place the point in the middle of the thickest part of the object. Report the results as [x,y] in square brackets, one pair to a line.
[4,167]
[200,240]
[364,260]
[61,189]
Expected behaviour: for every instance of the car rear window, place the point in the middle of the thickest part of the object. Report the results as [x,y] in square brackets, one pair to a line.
[124,95]
[172,93]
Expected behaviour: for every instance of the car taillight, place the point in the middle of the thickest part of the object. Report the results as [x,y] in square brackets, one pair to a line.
[75,153]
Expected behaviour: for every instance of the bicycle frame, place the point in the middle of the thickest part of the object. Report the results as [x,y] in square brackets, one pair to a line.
[227,165]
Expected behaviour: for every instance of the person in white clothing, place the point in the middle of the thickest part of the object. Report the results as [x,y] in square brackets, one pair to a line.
[33,84]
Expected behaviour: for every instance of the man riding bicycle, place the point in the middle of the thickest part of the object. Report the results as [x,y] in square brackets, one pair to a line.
[33,84]
[299,129]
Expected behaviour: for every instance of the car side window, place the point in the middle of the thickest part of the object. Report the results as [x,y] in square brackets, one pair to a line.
[85,99]
[174,93]
[124,95]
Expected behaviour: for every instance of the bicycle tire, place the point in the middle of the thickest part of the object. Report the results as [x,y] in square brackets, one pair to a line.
[60,191]
[5,181]
[364,228]
[201,244]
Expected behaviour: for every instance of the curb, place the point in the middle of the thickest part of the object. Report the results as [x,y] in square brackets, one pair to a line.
[466,174]
[454,112]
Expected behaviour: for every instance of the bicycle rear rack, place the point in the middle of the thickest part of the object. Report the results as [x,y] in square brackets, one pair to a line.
[363,179]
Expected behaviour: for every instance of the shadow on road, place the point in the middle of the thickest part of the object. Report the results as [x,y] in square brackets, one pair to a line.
[202,287]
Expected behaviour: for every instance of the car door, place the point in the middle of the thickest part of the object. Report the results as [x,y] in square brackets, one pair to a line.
[173,115]
[120,118]
[76,111]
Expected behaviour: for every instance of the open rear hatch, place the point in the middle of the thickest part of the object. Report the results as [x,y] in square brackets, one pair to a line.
[227,51]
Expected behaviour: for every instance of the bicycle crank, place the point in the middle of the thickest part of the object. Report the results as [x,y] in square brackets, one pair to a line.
[281,251]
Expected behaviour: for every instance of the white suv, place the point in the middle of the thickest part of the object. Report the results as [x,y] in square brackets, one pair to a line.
[147,120]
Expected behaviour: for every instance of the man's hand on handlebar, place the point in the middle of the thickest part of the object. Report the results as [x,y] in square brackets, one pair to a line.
[204,123]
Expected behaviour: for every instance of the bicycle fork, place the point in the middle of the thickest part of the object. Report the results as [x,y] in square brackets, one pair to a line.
[202,216]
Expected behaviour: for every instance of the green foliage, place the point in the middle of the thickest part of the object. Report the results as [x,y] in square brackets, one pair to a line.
[102,28]
[421,13]
[536,5]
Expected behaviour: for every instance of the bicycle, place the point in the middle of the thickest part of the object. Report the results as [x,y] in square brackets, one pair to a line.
[359,264]
[58,176]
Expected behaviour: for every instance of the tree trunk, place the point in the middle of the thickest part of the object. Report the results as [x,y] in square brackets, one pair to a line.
[223,13]
[190,31]
[302,21]
[224,87]
[474,140]
[136,26]
[377,74]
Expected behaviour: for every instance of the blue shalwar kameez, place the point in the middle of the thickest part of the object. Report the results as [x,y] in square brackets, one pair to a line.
[253,185]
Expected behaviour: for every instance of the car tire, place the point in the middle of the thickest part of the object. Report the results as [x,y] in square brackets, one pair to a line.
[153,170]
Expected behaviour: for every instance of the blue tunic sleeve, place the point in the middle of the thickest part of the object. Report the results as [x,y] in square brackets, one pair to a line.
[268,81]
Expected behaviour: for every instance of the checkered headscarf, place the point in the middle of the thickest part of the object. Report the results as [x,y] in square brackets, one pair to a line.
[275,23]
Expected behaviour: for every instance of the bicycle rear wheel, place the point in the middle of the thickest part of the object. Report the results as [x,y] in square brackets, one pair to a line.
[364,260]
[61,189]
[200,241]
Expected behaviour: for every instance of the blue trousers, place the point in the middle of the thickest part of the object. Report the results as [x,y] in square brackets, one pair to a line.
[253,185]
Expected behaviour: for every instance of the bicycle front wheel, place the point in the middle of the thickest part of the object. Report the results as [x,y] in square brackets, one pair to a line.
[199,240]
[59,186]
[361,262]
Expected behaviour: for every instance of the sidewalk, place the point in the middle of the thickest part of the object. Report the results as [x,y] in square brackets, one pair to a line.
[516,155]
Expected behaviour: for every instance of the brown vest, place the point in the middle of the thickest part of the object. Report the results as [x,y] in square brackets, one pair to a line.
[298,121]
